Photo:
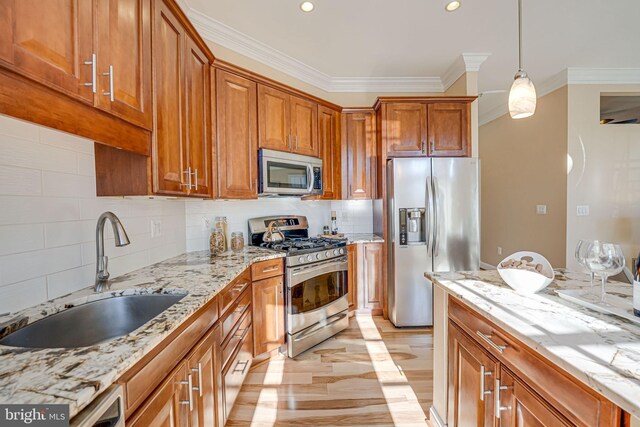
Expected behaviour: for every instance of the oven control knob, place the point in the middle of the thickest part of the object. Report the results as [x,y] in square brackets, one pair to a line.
[327,254]
[301,259]
[341,251]
[318,255]
[335,252]
[309,258]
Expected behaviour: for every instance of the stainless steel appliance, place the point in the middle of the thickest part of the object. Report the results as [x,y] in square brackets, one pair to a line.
[105,410]
[433,221]
[316,281]
[288,174]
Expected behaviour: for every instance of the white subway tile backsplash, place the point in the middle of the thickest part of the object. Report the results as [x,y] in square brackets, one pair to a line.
[66,141]
[69,233]
[30,210]
[20,181]
[57,184]
[65,282]
[28,154]
[86,165]
[21,238]
[29,265]
[21,295]
[18,128]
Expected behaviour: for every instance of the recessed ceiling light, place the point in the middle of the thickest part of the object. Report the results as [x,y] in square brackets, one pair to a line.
[306,6]
[452,6]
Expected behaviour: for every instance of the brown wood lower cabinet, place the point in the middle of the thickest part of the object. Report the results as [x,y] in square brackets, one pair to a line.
[268,315]
[352,276]
[201,365]
[364,277]
[495,380]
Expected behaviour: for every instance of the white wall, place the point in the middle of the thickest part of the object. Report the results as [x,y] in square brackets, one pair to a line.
[48,213]
[605,174]
[200,216]
[354,216]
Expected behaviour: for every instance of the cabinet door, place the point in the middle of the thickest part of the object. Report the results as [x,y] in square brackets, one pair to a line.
[168,406]
[472,374]
[373,277]
[329,142]
[352,276]
[304,126]
[274,120]
[359,147]
[197,119]
[201,364]
[237,137]
[520,407]
[169,152]
[268,315]
[406,130]
[449,130]
[123,41]
[49,42]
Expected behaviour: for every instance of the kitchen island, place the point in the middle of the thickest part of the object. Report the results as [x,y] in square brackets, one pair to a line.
[75,376]
[593,358]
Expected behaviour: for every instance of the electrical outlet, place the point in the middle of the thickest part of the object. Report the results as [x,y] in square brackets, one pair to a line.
[541,209]
[499,250]
[582,210]
[156,229]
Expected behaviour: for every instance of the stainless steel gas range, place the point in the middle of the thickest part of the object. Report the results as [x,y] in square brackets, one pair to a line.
[316,280]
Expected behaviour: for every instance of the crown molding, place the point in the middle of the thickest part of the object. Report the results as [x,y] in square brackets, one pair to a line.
[572,76]
[466,62]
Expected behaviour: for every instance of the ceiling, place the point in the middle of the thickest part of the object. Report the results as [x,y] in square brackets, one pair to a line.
[418,38]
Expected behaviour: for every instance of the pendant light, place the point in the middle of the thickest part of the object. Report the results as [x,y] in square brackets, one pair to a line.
[522,98]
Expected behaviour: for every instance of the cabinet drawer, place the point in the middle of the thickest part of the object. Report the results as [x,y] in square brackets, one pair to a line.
[234,374]
[229,295]
[574,400]
[234,340]
[235,313]
[266,269]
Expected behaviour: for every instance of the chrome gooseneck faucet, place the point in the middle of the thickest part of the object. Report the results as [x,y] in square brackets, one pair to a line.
[102,270]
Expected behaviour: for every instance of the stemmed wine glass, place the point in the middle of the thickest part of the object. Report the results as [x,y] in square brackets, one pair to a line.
[581,251]
[605,259]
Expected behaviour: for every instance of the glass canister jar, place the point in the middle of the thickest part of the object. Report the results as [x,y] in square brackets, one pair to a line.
[237,241]
[216,241]
[221,222]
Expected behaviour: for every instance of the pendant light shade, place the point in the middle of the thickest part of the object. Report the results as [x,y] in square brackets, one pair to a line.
[522,97]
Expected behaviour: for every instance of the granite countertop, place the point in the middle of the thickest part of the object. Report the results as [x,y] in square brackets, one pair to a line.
[76,376]
[602,351]
[363,238]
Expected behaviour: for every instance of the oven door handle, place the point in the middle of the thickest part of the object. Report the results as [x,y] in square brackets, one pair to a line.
[320,326]
[298,275]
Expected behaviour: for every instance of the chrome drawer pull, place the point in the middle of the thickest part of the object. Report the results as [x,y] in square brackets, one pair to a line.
[483,374]
[199,370]
[487,338]
[94,66]
[190,399]
[239,287]
[500,408]
[110,94]
[271,270]
[241,332]
[244,363]
[240,308]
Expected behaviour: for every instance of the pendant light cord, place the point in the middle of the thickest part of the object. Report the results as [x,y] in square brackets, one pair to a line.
[519,35]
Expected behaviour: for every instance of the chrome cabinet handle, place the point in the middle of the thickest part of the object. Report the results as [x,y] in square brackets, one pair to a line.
[424,147]
[483,374]
[189,401]
[239,287]
[188,174]
[94,71]
[195,174]
[499,407]
[296,140]
[244,363]
[289,142]
[487,338]
[240,308]
[199,371]
[269,270]
[110,93]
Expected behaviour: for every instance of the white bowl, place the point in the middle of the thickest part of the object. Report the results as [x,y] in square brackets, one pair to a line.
[524,281]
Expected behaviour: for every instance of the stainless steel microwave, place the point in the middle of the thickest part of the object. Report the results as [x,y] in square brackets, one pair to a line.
[288,174]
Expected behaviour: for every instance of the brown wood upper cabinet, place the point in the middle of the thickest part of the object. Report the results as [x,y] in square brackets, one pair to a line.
[287,122]
[359,155]
[181,141]
[104,61]
[329,142]
[237,141]
[406,129]
[449,130]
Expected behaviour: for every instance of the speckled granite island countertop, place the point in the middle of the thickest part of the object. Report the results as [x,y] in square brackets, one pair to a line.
[602,351]
[76,376]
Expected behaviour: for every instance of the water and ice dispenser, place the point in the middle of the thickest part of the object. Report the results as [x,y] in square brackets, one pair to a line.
[412,226]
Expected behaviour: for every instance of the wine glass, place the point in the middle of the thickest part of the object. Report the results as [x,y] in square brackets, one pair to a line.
[605,259]
[580,254]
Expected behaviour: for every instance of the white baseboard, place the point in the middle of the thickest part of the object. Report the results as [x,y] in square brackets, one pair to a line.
[485,266]
[435,418]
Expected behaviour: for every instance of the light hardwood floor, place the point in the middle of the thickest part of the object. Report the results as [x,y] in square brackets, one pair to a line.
[371,374]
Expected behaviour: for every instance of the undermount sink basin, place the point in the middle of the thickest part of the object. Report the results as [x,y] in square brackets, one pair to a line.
[92,323]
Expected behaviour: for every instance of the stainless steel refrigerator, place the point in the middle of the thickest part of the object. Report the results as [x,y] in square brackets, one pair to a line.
[433,225]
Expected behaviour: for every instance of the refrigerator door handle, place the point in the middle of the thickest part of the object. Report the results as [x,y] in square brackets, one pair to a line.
[429,216]
[436,222]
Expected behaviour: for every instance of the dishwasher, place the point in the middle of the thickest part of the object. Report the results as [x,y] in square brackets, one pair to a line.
[105,411]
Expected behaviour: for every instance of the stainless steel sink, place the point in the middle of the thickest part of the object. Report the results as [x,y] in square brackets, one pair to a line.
[92,323]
